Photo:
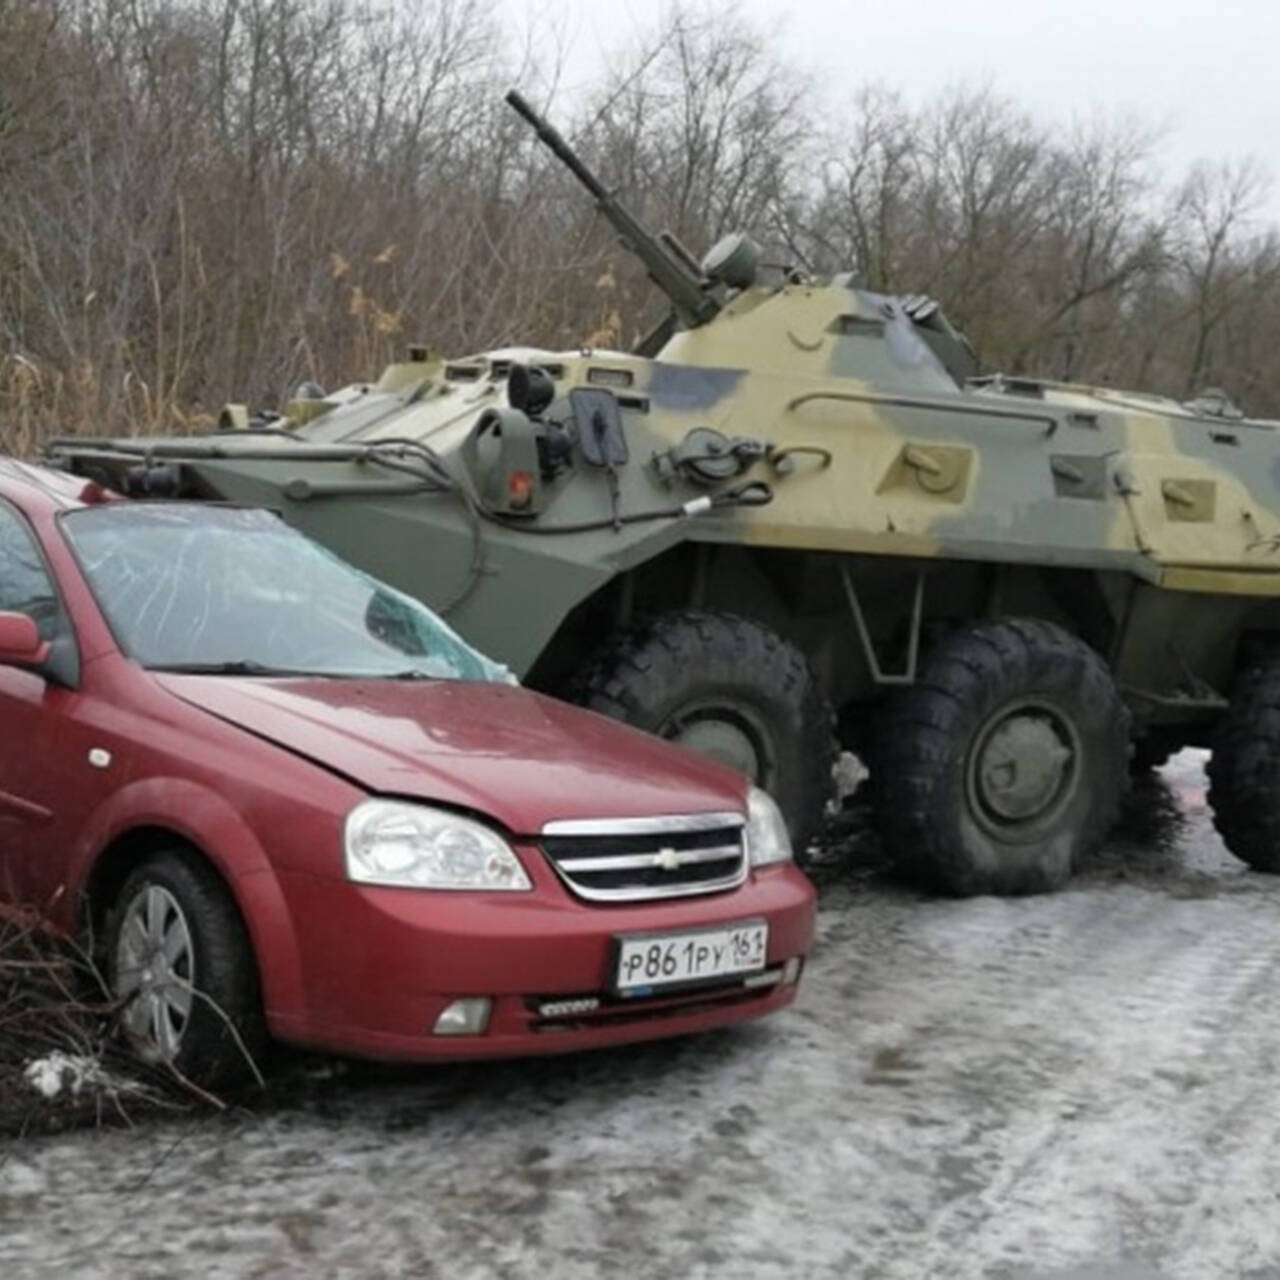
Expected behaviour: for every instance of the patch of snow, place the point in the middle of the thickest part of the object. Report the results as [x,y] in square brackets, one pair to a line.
[848,772]
[59,1073]
[1079,1085]
[17,1178]
[1184,774]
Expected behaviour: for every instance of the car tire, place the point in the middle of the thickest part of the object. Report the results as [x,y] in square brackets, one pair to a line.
[732,690]
[179,959]
[1005,763]
[1244,769]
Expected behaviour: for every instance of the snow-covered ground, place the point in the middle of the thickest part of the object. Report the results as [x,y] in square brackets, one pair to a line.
[1082,1084]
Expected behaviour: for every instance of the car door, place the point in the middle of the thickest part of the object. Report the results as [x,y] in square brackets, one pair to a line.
[30,711]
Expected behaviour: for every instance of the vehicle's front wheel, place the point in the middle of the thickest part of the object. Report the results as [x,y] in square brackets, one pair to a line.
[1244,769]
[180,963]
[1004,763]
[732,690]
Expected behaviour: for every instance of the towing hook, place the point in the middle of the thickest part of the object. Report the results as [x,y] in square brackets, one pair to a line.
[754,493]
[783,461]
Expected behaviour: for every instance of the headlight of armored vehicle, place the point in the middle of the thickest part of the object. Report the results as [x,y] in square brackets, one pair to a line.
[414,846]
[767,838]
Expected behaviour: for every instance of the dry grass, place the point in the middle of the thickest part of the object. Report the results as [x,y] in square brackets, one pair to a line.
[238,198]
[103,396]
[50,1003]
[39,401]
[55,1010]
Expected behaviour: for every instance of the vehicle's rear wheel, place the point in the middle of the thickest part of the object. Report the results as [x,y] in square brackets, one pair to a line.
[1244,769]
[179,960]
[1004,763]
[732,690]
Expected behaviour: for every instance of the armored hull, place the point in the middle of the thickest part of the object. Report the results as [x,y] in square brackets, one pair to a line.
[795,517]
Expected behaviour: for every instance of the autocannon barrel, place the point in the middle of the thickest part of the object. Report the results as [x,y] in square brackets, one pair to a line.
[554,140]
[686,289]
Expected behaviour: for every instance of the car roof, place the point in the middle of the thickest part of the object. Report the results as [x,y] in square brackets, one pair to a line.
[44,489]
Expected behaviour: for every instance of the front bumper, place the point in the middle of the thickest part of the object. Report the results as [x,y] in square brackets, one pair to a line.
[380,965]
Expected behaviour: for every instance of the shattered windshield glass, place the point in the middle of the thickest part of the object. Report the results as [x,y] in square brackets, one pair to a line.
[237,591]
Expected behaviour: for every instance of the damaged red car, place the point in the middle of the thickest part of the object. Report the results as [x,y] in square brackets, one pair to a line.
[285,800]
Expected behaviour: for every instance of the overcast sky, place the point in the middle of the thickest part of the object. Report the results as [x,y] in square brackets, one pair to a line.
[1208,71]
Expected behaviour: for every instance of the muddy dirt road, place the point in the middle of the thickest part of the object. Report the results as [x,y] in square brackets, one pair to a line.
[964,1089]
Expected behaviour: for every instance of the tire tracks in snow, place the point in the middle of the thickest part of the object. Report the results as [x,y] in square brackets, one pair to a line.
[987,1088]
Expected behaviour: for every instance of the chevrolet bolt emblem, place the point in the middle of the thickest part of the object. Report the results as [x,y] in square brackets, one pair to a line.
[667,859]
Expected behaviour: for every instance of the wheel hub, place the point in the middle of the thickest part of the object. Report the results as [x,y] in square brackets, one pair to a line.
[721,741]
[1024,766]
[724,735]
[154,972]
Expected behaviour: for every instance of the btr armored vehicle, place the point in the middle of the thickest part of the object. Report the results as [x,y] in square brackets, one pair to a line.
[795,517]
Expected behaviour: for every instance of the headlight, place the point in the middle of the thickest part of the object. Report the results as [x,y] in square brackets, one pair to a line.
[767,838]
[416,847]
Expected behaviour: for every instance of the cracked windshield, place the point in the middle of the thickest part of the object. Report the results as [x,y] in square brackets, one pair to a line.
[235,591]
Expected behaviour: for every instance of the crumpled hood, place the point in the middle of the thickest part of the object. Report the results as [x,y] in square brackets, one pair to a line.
[519,757]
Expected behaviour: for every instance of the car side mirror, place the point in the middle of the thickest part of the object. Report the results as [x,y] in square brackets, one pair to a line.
[20,642]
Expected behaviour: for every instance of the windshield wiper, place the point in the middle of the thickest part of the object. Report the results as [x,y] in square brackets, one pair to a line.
[237,667]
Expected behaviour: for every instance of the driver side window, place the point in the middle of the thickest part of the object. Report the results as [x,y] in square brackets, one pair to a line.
[25,585]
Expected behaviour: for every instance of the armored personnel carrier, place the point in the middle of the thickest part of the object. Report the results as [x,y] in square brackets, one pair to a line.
[793,517]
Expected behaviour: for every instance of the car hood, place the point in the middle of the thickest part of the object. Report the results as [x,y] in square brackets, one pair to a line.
[521,758]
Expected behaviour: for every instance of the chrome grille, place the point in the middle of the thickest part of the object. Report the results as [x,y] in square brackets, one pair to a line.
[627,859]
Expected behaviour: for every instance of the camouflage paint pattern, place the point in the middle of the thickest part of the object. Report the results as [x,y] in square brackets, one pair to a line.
[1149,526]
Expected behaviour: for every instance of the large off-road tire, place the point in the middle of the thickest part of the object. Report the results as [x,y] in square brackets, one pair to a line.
[180,961]
[1244,769]
[1004,764]
[731,689]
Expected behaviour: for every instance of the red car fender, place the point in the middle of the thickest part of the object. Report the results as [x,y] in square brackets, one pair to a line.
[204,819]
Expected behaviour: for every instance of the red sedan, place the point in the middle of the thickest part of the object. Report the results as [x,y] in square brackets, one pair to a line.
[286,800]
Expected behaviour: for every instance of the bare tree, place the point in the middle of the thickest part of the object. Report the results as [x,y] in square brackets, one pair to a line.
[204,200]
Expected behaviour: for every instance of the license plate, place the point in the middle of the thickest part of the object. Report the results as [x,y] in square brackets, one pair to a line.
[651,961]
